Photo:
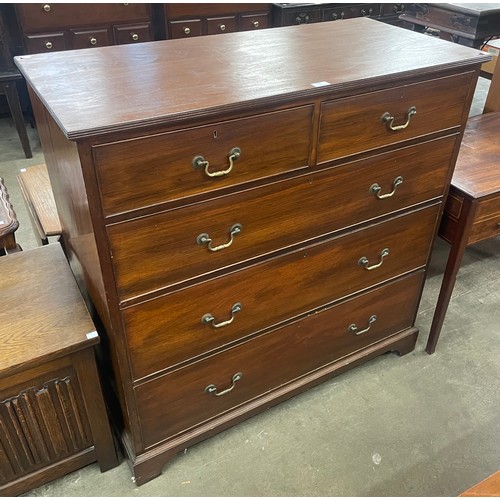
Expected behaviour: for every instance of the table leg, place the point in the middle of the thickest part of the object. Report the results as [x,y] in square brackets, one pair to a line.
[457,251]
[10,89]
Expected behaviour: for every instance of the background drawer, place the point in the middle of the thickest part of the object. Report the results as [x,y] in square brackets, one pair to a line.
[151,170]
[46,42]
[169,329]
[254,21]
[151,252]
[133,33]
[439,104]
[177,401]
[85,39]
[218,25]
[185,28]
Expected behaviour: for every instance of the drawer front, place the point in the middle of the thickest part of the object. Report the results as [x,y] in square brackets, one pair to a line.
[487,224]
[150,170]
[218,25]
[133,33]
[43,17]
[254,22]
[175,402]
[439,105]
[185,29]
[151,252]
[85,39]
[172,328]
[46,42]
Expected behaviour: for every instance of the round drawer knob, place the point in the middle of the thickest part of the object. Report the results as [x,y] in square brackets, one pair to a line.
[46,7]
[135,37]
[255,24]
[222,27]
[93,41]
[48,45]
[187,31]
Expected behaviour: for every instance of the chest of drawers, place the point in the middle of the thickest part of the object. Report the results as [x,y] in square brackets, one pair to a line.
[254,222]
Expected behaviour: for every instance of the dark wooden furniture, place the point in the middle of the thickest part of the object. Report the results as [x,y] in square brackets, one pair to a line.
[287,14]
[39,200]
[8,223]
[194,19]
[55,26]
[9,78]
[469,24]
[52,415]
[255,221]
[8,87]
[472,209]
[489,487]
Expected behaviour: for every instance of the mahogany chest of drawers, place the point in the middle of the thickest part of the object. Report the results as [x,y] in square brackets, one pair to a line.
[255,221]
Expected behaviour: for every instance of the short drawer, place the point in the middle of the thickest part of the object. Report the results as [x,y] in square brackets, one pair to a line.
[151,170]
[178,401]
[46,42]
[133,33]
[84,39]
[217,25]
[254,21]
[170,329]
[185,28]
[35,18]
[439,104]
[487,221]
[151,252]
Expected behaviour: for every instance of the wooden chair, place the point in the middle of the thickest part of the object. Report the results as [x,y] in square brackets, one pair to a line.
[8,223]
[472,209]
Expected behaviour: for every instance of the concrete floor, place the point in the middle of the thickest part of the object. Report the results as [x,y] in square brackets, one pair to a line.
[418,425]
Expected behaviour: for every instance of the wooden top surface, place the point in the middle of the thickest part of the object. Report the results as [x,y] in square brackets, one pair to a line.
[477,171]
[116,88]
[42,314]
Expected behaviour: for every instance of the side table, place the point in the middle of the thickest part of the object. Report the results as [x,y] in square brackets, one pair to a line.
[469,24]
[52,414]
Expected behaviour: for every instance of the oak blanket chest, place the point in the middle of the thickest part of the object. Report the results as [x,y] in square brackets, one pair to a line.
[248,214]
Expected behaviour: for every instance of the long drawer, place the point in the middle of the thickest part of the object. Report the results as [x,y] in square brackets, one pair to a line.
[170,329]
[177,401]
[150,170]
[439,104]
[151,252]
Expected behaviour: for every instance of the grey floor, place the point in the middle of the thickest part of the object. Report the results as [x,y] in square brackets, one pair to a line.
[416,425]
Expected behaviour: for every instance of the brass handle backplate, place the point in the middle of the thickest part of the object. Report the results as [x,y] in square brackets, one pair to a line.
[375,188]
[212,389]
[204,238]
[364,262]
[209,318]
[354,329]
[200,162]
[388,119]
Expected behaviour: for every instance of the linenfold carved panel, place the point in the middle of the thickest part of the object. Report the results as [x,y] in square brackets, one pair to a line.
[39,426]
